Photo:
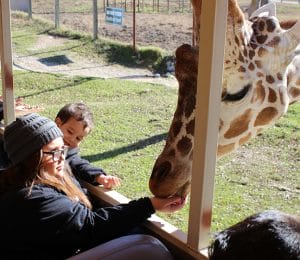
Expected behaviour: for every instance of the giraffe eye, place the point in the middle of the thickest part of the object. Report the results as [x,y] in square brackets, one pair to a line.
[236,96]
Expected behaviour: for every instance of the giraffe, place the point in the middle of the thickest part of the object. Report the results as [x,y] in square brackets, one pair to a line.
[261,78]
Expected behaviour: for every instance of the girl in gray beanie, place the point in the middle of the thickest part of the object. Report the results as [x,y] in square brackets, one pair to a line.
[45,214]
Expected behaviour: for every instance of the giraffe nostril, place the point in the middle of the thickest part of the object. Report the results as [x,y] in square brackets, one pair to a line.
[161,170]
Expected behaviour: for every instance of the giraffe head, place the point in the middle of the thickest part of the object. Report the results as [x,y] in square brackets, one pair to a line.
[260,79]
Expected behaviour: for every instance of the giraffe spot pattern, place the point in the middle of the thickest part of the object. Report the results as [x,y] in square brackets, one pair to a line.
[272,96]
[241,58]
[260,74]
[179,110]
[271,25]
[261,38]
[261,51]
[245,139]
[279,76]
[270,79]
[259,94]
[241,69]
[265,116]
[251,66]
[225,149]
[253,45]
[261,26]
[258,64]
[294,92]
[190,105]
[172,153]
[190,127]
[236,39]
[274,42]
[184,145]
[239,125]
[221,124]
[177,125]
[251,54]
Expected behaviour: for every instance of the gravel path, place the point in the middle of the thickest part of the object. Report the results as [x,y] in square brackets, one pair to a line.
[74,65]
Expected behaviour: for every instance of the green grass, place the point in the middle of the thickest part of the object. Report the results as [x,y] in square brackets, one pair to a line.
[131,122]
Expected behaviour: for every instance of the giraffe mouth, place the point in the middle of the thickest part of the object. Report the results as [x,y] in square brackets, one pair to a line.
[162,191]
[228,97]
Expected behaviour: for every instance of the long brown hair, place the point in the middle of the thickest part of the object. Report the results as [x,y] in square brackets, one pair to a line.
[30,172]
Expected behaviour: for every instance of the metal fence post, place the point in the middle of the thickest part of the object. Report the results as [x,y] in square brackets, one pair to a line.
[30,10]
[56,14]
[95,20]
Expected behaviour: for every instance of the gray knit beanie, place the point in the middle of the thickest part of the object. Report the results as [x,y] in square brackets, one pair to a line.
[27,135]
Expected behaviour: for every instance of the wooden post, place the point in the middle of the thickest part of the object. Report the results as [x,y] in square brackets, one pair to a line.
[133,25]
[56,14]
[210,70]
[6,64]
[95,20]
[30,10]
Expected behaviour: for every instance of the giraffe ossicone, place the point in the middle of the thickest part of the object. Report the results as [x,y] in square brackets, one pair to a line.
[261,78]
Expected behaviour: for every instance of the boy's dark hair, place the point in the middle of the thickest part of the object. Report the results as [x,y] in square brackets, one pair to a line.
[267,235]
[79,111]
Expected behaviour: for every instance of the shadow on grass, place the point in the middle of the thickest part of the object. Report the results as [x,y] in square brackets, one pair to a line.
[125,149]
[77,81]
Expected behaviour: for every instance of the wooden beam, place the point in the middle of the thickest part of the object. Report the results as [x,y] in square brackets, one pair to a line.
[6,63]
[174,238]
[209,82]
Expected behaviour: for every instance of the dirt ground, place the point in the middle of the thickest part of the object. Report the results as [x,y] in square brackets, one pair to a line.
[165,30]
[161,30]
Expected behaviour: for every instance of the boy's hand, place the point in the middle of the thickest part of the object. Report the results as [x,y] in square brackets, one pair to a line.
[108,181]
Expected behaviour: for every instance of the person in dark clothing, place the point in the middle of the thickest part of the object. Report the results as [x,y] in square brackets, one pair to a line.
[270,234]
[75,120]
[45,214]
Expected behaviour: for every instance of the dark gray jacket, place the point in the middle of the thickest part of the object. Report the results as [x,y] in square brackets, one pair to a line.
[81,168]
[48,225]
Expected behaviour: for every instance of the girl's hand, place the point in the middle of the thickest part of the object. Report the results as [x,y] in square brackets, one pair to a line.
[168,205]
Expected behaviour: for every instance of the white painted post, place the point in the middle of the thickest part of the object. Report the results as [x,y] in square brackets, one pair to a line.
[210,70]
[95,19]
[6,64]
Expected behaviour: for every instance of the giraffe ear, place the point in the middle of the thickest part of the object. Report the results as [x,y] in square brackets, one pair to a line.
[265,10]
[295,30]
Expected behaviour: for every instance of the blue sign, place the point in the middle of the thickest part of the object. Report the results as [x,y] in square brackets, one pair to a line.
[114,15]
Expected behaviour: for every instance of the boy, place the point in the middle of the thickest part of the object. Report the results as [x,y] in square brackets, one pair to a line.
[75,120]
[270,234]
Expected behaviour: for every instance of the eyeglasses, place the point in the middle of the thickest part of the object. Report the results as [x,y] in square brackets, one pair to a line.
[57,154]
